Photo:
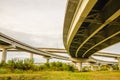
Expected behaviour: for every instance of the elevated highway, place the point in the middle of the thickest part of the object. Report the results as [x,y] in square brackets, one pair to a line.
[91,25]
[14,45]
[104,54]
[51,50]
[7,42]
[10,44]
[63,51]
[59,50]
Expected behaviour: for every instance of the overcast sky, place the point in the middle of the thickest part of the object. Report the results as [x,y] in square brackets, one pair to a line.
[38,23]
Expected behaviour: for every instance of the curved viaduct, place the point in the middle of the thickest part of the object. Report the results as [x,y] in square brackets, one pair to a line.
[90,26]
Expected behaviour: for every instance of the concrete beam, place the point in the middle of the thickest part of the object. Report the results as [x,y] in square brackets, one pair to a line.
[78,60]
[105,54]
[110,19]
[7,46]
[81,13]
[99,43]
[71,9]
[51,50]
[110,8]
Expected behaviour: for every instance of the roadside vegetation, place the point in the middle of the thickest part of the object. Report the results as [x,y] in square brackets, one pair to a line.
[27,70]
[20,66]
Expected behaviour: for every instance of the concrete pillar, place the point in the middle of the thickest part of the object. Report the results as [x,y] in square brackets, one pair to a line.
[118,62]
[47,59]
[80,66]
[31,56]
[4,54]
[111,68]
[99,66]
[74,63]
[92,67]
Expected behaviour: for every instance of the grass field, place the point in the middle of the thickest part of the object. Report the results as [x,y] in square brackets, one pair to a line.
[63,75]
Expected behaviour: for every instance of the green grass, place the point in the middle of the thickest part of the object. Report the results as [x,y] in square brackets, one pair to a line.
[62,75]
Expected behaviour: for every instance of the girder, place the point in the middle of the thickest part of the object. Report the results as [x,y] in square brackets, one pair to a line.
[107,33]
[114,16]
[109,55]
[69,15]
[3,43]
[104,45]
[83,8]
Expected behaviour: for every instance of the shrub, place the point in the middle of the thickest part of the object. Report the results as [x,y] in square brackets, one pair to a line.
[115,67]
[85,69]
[104,68]
[4,70]
[3,64]
[18,71]
[18,66]
[35,68]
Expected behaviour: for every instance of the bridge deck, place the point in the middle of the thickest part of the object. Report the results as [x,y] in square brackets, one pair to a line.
[94,28]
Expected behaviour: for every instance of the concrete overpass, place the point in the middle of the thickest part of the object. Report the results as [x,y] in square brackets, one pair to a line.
[59,50]
[51,50]
[7,42]
[91,25]
[104,54]
[63,51]
[91,60]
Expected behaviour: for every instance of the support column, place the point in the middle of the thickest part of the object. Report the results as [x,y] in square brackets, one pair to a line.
[74,63]
[99,66]
[92,67]
[118,62]
[47,59]
[110,68]
[31,56]
[80,66]
[4,54]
